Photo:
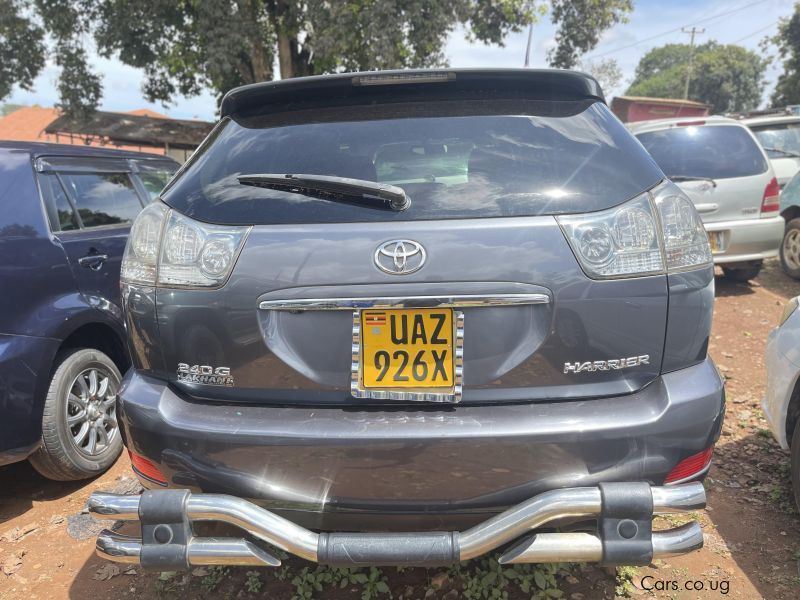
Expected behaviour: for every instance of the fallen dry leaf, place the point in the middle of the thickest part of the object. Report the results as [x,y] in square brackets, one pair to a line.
[106,571]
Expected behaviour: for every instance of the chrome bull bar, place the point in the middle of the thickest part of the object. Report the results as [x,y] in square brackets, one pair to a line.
[625,511]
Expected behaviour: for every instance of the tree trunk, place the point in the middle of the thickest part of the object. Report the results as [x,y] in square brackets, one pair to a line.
[285,44]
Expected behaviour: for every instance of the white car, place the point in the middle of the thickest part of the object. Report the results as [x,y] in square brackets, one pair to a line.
[780,137]
[724,170]
[782,400]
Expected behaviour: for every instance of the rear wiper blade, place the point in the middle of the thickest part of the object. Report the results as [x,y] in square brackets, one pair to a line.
[336,189]
[784,152]
[691,178]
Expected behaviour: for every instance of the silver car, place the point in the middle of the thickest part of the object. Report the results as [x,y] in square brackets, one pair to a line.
[782,399]
[780,137]
[721,166]
[411,318]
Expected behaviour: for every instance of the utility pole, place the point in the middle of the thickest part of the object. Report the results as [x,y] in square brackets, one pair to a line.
[692,31]
[528,47]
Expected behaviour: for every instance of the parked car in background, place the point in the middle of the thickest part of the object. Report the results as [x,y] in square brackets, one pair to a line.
[782,399]
[720,165]
[780,137]
[790,211]
[444,309]
[65,214]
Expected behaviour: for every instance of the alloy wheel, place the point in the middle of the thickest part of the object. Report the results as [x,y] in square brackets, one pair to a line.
[92,411]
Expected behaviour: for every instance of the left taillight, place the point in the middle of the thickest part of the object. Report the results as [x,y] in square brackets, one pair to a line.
[772,197]
[167,249]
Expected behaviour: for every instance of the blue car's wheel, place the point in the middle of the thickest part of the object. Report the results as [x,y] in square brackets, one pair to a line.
[80,433]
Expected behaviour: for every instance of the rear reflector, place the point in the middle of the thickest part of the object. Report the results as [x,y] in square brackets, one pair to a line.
[772,197]
[690,123]
[144,468]
[694,465]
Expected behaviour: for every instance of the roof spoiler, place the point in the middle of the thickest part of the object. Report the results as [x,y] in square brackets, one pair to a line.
[537,84]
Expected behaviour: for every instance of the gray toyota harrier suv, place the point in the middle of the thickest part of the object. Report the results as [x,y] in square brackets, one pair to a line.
[413,317]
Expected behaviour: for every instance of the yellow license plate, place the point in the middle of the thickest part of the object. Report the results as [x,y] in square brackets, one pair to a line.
[407,348]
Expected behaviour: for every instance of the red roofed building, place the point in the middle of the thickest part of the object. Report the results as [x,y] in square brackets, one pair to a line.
[143,130]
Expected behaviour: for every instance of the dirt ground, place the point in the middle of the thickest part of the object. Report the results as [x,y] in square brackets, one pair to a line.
[751,527]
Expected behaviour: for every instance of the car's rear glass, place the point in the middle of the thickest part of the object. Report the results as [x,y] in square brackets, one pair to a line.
[714,151]
[458,159]
[780,140]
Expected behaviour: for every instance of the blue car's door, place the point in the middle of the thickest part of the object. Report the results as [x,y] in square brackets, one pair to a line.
[93,202]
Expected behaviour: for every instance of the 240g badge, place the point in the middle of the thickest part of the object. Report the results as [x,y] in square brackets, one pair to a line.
[205,374]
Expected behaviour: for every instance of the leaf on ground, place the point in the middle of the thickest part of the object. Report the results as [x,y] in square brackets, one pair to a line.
[106,571]
[12,563]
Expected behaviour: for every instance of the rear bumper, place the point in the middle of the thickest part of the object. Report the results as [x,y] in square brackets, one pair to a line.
[748,240]
[419,467]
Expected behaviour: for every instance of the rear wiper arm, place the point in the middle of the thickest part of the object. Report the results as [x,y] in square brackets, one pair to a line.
[336,189]
[784,152]
[691,178]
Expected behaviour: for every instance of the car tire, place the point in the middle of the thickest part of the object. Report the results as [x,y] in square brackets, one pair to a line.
[794,452]
[742,274]
[81,401]
[790,249]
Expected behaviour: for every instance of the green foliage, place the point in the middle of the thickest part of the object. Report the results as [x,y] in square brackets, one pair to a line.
[787,90]
[606,71]
[22,49]
[625,587]
[216,575]
[253,584]
[580,24]
[187,46]
[726,77]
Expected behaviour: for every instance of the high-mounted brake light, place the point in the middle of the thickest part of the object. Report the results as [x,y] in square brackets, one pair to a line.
[772,197]
[689,123]
[145,468]
[402,78]
[692,466]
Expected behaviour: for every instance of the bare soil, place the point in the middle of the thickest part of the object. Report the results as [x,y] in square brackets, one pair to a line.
[751,525]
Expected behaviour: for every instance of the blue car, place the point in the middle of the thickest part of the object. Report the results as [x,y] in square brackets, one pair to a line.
[65,214]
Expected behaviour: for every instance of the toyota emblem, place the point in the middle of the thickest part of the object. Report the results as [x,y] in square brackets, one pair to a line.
[400,257]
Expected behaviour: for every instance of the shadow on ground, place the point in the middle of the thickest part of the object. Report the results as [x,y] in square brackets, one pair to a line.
[21,485]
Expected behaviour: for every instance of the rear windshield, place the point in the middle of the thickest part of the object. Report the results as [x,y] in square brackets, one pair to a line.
[780,139]
[453,159]
[716,151]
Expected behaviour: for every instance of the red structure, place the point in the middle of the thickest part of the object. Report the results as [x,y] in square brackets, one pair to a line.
[641,108]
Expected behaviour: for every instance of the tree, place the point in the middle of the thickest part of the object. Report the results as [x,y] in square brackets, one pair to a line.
[186,46]
[606,71]
[787,89]
[726,77]
[580,23]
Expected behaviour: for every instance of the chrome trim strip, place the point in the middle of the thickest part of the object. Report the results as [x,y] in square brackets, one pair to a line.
[454,396]
[456,301]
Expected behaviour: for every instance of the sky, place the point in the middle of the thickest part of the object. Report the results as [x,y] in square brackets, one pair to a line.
[653,23]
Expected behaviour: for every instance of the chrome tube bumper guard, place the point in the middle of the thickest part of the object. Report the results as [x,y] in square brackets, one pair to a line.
[623,511]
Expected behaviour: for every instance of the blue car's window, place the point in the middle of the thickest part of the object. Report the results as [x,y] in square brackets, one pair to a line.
[154,176]
[59,210]
[103,198]
[717,152]
[454,159]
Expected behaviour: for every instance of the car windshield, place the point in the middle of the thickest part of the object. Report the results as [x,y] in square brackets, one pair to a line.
[712,151]
[779,139]
[452,159]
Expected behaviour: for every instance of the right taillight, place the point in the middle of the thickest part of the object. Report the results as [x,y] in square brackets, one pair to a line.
[655,232]
[772,197]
